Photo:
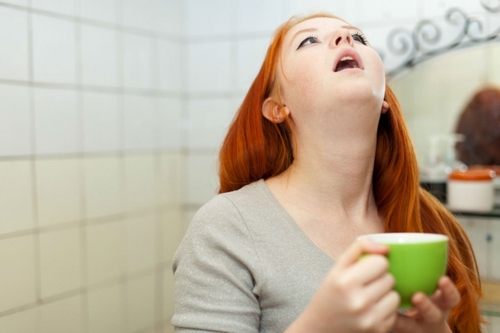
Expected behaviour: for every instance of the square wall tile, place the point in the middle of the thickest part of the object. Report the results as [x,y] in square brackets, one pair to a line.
[171,189]
[202,179]
[101,122]
[170,65]
[141,177]
[259,15]
[99,54]
[57,125]
[210,120]
[140,303]
[137,61]
[382,11]
[56,6]
[139,14]
[141,122]
[17,2]
[105,310]
[206,18]
[304,7]
[439,8]
[17,257]
[168,293]
[170,17]
[60,261]
[61,317]
[16,196]
[209,67]
[58,191]
[105,251]
[170,123]
[14,41]
[495,250]
[249,59]
[103,186]
[54,50]
[173,232]
[100,10]
[140,239]
[15,120]
[19,322]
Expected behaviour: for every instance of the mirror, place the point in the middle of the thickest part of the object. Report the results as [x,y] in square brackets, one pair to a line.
[434,93]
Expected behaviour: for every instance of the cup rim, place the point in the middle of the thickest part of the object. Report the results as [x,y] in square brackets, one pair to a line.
[405,237]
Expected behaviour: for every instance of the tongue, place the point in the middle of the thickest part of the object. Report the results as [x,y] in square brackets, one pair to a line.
[345,65]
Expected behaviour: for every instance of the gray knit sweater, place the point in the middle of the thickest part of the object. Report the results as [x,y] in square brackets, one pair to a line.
[244,266]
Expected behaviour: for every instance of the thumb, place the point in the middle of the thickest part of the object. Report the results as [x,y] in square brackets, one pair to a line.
[361,246]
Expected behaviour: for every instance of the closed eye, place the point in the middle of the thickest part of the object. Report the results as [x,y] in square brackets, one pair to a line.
[309,40]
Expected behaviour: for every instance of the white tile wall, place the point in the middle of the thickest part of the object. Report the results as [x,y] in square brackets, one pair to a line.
[141,121]
[171,188]
[173,230]
[66,7]
[171,17]
[14,41]
[61,317]
[60,262]
[57,125]
[140,243]
[18,277]
[214,17]
[105,252]
[105,310]
[101,121]
[54,50]
[15,120]
[19,322]
[58,191]
[210,120]
[140,303]
[104,192]
[249,59]
[439,8]
[137,61]
[202,183]
[139,14]
[16,196]
[99,56]
[170,58]
[141,181]
[209,67]
[170,122]
[101,10]
[268,14]
[17,2]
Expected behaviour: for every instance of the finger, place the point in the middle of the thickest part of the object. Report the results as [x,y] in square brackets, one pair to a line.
[449,296]
[387,308]
[427,310]
[367,270]
[354,252]
[404,324]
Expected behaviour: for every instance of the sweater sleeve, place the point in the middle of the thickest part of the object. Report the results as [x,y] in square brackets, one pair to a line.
[215,270]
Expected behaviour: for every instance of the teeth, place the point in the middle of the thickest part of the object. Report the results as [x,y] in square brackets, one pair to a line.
[346,58]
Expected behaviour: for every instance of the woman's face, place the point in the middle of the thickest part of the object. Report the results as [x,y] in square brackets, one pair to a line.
[327,65]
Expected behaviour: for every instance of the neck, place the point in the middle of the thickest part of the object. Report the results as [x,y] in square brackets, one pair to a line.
[333,179]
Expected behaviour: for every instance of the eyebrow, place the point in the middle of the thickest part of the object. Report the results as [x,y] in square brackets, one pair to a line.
[350,27]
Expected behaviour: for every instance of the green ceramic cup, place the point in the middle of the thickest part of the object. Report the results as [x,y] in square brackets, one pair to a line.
[416,260]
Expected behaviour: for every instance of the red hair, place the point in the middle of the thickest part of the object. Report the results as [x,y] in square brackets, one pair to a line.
[256,148]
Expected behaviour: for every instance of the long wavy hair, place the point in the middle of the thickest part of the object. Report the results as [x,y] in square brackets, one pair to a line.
[256,148]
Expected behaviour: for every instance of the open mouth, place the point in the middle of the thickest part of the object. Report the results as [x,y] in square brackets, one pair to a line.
[346,63]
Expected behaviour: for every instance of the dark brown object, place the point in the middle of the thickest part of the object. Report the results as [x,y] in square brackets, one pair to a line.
[480,123]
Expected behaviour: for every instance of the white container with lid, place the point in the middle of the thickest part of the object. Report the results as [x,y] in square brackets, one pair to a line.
[471,190]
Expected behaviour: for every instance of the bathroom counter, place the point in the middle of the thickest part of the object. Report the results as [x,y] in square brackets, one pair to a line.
[490,306]
[493,213]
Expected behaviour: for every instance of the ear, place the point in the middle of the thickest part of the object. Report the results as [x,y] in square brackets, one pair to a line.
[385,106]
[274,112]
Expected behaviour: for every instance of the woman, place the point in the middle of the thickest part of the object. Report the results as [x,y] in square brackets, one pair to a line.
[317,155]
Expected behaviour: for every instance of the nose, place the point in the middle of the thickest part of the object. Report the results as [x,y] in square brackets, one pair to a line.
[343,36]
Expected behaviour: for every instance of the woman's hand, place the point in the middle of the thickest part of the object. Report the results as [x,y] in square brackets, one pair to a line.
[429,313]
[356,295]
